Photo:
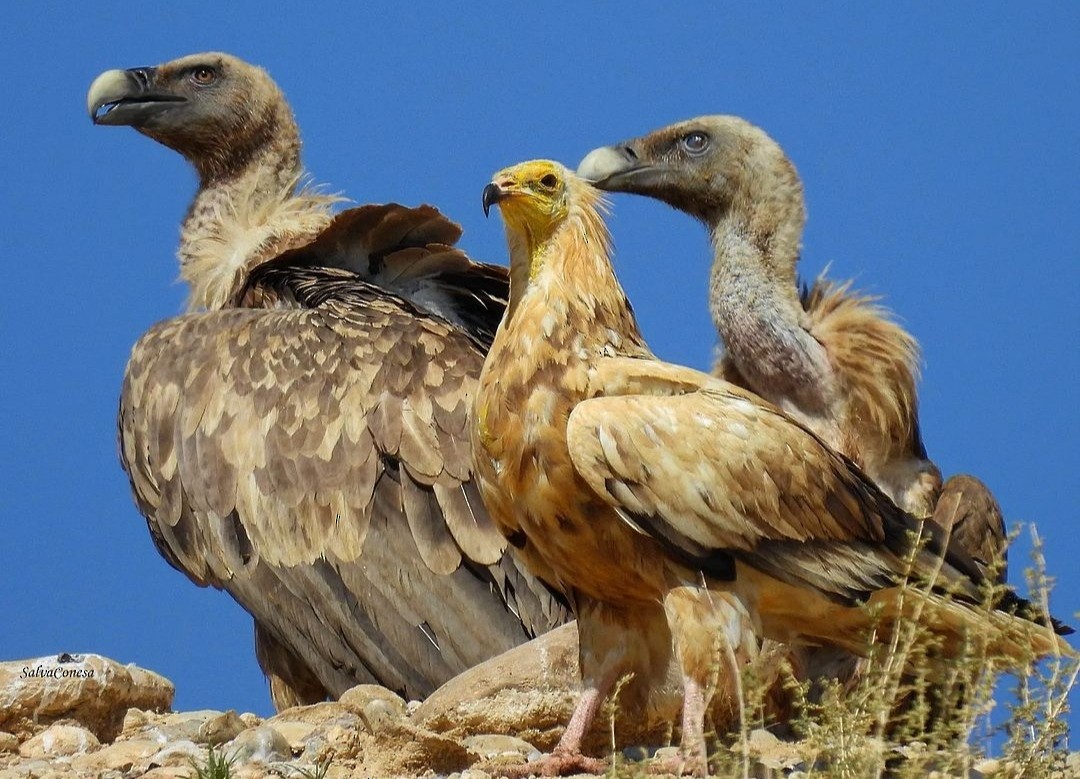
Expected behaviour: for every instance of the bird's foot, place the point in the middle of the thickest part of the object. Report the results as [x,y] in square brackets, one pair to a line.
[558,763]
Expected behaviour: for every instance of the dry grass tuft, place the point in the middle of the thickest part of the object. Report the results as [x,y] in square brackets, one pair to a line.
[910,713]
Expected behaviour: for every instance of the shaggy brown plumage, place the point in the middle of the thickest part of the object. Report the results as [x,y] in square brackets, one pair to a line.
[303,442]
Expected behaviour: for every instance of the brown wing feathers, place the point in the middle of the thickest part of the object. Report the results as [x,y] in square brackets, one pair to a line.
[377,457]
[848,540]
[405,251]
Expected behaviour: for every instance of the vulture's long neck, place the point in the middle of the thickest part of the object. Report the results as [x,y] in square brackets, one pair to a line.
[247,209]
[755,302]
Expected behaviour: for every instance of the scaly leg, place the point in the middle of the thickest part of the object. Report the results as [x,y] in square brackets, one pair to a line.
[693,728]
[566,758]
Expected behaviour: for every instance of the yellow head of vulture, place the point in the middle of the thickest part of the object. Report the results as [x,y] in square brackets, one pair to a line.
[213,108]
[532,196]
[538,196]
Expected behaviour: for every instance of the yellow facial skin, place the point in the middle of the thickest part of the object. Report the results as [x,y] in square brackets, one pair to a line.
[532,198]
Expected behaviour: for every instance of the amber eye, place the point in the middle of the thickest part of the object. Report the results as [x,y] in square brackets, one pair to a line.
[695,142]
[550,181]
[203,76]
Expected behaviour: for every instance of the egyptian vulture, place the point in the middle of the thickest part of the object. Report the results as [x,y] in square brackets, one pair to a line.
[829,357]
[300,439]
[671,505]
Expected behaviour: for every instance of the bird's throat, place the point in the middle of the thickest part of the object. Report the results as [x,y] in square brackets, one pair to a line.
[528,256]
[563,285]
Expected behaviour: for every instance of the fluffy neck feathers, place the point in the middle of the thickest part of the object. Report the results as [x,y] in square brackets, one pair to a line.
[247,210]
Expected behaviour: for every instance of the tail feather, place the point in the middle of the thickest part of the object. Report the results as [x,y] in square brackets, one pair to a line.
[1015,637]
[1011,603]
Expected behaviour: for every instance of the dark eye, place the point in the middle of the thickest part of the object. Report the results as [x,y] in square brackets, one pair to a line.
[550,181]
[203,76]
[695,142]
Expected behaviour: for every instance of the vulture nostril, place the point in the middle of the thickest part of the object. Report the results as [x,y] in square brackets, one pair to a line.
[629,152]
[142,76]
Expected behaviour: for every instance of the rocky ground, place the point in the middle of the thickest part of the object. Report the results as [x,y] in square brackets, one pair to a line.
[75,716]
[87,716]
[71,716]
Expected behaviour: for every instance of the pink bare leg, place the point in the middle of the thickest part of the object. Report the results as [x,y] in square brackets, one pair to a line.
[693,727]
[566,758]
[692,753]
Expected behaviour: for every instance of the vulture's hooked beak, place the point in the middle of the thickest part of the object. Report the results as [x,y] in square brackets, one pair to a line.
[619,169]
[119,97]
[493,193]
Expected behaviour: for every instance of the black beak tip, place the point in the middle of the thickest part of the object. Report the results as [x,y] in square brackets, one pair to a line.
[492,195]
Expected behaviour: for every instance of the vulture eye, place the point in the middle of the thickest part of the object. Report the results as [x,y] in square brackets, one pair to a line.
[203,76]
[695,142]
[550,181]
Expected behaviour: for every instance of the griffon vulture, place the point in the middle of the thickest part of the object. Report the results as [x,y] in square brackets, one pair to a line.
[831,358]
[301,441]
[672,505]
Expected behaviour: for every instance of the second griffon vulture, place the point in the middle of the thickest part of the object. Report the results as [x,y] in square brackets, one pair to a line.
[831,358]
[300,439]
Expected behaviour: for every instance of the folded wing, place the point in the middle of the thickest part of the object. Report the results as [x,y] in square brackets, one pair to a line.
[718,476]
[314,451]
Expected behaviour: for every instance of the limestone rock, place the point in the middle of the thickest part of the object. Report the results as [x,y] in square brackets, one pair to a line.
[31,768]
[771,752]
[8,742]
[341,733]
[488,746]
[666,754]
[295,734]
[91,689]
[178,754]
[134,721]
[60,741]
[529,692]
[377,705]
[222,728]
[316,714]
[339,738]
[168,772]
[402,748]
[359,697]
[198,726]
[253,771]
[122,756]
[262,744]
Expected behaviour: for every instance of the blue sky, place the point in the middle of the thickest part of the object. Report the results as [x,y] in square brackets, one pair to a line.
[939,154]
